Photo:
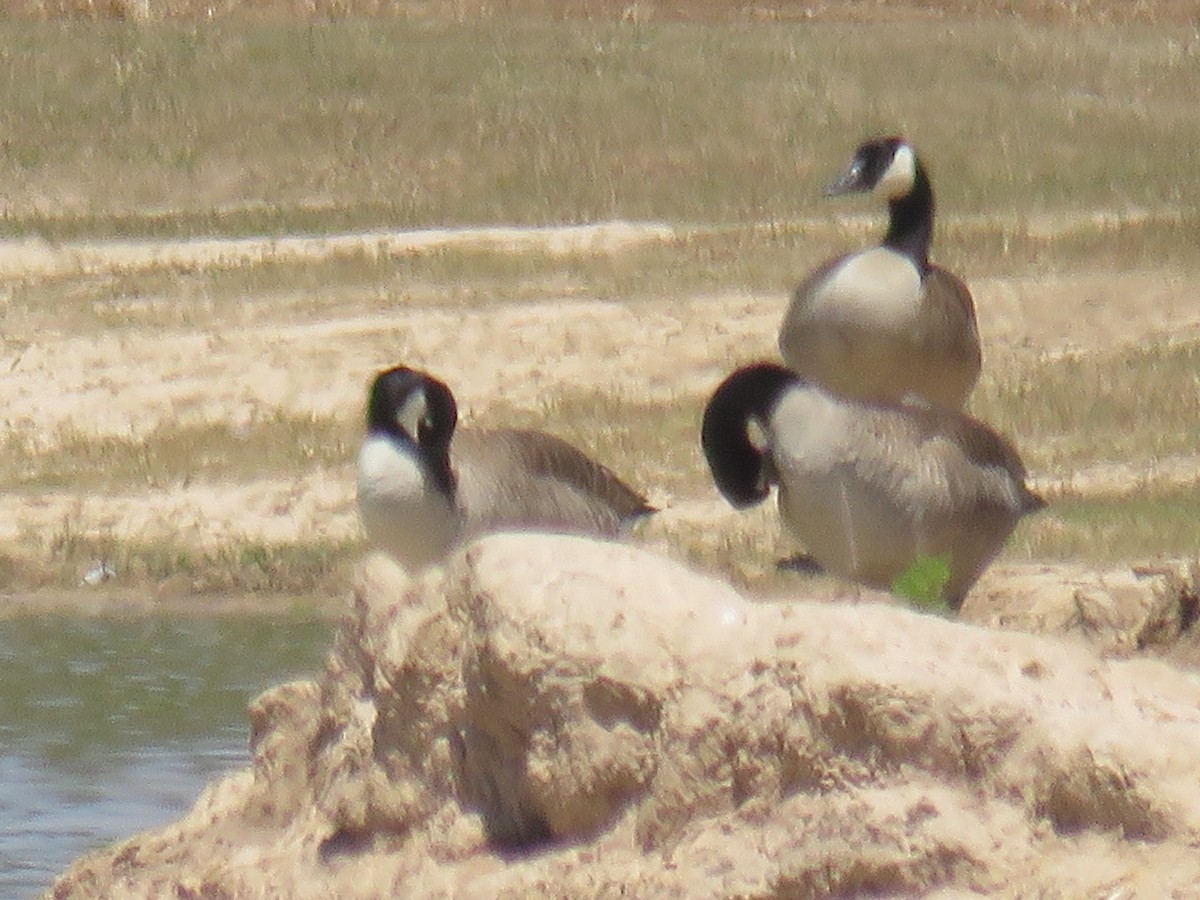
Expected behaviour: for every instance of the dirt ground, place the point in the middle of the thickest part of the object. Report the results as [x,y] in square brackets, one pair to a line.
[669,350]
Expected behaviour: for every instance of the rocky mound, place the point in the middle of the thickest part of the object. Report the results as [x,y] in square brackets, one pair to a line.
[554,717]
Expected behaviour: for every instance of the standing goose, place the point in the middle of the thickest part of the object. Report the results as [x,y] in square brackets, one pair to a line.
[424,489]
[885,323]
[868,487]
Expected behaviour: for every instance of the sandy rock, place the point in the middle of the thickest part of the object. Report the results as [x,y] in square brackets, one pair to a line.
[554,717]
[1117,611]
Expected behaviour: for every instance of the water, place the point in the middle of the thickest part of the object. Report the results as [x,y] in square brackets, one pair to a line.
[109,726]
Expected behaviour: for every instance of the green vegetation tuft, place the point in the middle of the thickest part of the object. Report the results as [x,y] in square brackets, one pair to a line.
[923,583]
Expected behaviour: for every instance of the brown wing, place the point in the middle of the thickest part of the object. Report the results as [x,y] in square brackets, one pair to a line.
[978,443]
[548,456]
[512,478]
[952,321]
[947,357]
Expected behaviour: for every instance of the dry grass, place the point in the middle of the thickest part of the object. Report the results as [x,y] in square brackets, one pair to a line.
[737,257]
[1131,404]
[178,129]
[706,11]
[1153,523]
[172,455]
[168,567]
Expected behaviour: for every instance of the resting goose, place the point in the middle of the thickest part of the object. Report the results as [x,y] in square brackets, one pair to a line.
[425,488]
[869,488]
[885,323]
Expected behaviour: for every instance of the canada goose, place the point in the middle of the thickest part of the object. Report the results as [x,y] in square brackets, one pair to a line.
[424,488]
[868,487]
[885,323]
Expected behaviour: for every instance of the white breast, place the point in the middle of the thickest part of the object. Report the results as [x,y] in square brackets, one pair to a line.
[877,288]
[402,511]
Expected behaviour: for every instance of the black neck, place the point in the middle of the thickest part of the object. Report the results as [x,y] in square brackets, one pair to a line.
[910,229]
[443,475]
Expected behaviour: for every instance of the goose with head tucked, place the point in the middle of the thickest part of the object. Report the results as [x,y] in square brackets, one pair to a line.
[425,487]
[885,323]
[870,488]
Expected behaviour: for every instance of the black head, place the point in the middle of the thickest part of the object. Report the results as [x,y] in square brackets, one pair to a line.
[738,462]
[888,165]
[413,407]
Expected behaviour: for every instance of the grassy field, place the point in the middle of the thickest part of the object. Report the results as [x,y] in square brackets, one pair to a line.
[700,11]
[181,129]
[1057,149]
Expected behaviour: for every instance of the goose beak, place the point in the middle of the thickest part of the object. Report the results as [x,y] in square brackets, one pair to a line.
[849,182]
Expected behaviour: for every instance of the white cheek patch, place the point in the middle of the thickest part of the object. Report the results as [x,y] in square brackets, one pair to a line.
[901,172]
[756,434]
[411,412]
